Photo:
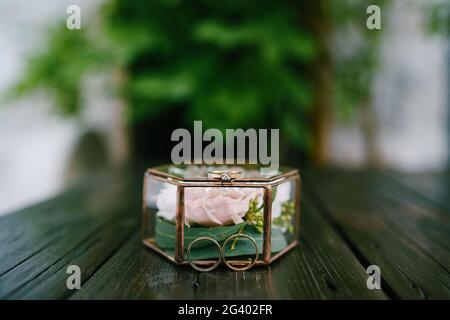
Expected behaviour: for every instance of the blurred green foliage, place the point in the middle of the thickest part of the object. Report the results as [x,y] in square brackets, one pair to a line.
[354,68]
[438,17]
[60,68]
[228,63]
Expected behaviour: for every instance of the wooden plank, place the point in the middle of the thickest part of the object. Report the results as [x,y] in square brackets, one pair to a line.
[136,273]
[97,227]
[84,226]
[322,267]
[425,222]
[432,189]
[381,231]
[29,231]
[89,254]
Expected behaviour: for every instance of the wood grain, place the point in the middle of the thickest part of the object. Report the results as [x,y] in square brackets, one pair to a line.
[322,267]
[349,221]
[386,227]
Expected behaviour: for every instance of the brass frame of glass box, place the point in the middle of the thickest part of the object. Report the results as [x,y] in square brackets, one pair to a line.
[265,183]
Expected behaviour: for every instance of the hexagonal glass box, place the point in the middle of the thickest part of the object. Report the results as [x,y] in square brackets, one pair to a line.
[243,215]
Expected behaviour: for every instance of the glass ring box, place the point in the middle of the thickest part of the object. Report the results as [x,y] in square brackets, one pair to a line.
[204,215]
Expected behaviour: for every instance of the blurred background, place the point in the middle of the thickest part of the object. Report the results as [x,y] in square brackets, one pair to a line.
[77,102]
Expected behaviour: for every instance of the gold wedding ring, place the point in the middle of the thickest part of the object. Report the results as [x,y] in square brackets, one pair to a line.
[224,175]
[196,267]
[222,254]
[229,264]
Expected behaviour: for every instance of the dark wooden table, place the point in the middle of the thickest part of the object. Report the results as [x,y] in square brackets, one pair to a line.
[350,220]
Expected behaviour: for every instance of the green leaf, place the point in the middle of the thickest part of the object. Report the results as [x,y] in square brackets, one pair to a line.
[165,233]
[165,238]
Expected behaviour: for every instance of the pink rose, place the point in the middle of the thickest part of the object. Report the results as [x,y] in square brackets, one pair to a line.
[209,206]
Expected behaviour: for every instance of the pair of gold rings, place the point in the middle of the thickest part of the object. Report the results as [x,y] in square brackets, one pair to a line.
[221,250]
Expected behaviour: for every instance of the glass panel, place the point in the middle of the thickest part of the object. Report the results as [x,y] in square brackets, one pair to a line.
[201,171]
[159,214]
[219,213]
[283,215]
